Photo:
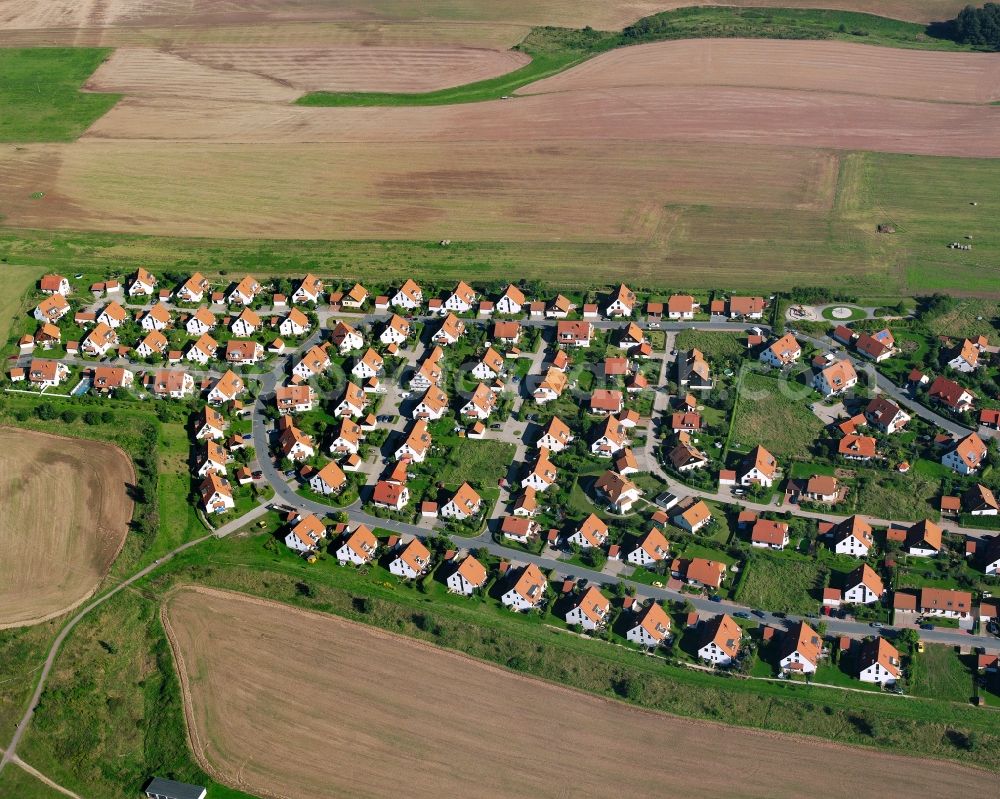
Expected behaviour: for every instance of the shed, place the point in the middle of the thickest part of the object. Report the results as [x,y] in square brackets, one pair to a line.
[159,788]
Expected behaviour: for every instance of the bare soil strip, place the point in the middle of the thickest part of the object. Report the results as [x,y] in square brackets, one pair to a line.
[287,703]
[65,516]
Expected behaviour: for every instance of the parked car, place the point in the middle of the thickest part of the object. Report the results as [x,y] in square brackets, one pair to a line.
[759,613]
[715,598]
[875,624]
[926,626]
[741,614]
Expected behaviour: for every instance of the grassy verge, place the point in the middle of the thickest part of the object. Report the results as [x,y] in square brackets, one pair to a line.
[553,50]
[40,93]
[15,781]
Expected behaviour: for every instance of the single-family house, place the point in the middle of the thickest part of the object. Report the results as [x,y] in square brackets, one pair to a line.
[464,504]
[295,398]
[835,379]
[591,534]
[863,586]
[511,302]
[294,324]
[156,318]
[352,403]
[758,467]
[395,332]
[879,662]
[556,436]
[618,491]
[52,308]
[99,340]
[309,290]
[590,611]
[720,640]
[651,549]
[885,415]
[226,389]
[328,480]
[528,591]
[852,537]
[210,424]
[967,456]
[767,534]
[345,338]
[306,535]
[390,495]
[451,330]
[194,288]
[571,333]
[801,648]
[652,627]
[461,299]
[154,343]
[783,352]
[175,384]
[142,284]
[216,494]
[359,547]
[693,371]
[951,394]
[551,386]
[412,562]
[692,517]
[469,576]
[203,350]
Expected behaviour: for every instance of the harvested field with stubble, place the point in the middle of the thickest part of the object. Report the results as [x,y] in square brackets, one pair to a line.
[281,74]
[839,67]
[261,678]
[66,513]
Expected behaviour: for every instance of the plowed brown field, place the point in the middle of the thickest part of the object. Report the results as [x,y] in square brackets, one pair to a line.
[286,703]
[65,515]
[807,66]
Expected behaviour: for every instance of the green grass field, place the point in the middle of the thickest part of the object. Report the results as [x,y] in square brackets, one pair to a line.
[940,674]
[553,49]
[715,346]
[780,583]
[480,462]
[16,782]
[765,414]
[40,93]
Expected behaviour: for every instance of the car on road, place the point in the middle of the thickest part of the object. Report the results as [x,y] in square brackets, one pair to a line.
[290,473]
[383,418]
[741,614]
[779,615]
[496,426]
[658,584]
[715,598]
[257,475]
[517,379]
[875,624]
[759,613]
[926,626]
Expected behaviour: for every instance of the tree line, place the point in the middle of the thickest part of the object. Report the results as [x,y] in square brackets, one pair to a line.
[978,26]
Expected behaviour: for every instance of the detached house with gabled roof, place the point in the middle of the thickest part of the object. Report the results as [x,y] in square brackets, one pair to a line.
[306,535]
[417,443]
[542,474]
[246,324]
[511,302]
[467,578]
[433,405]
[618,491]
[226,389]
[652,627]
[295,399]
[783,352]
[885,415]
[852,537]
[409,296]
[328,480]
[347,440]
[556,436]
[294,324]
[876,347]
[193,289]
[693,371]
[390,495]
[212,458]
[142,284]
[345,338]
[591,534]
[801,648]
[612,437]
[481,404]
[621,302]
[699,571]
[692,517]
[203,350]
[99,340]
[966,357]
[210,424]
[720,640]
[746,307]
[243,351]
[171,383]
[835,379]
[52,308]
[47,374]
[519,528]
[528,591]
[354,298]
[591,610]
[216,494]
[111,378]
[113,315]
[980,501]
[314,362]
[451,330]
[758,467]
[368,365]
[461,299]
[681,306]
[156,318]
[359,547]
[200,322]
[353,402]
[551,386]
[559,308]
[309,290]
[967,456]
[574,333]
[464,504]
[430,372]
[244,292]
[396,331]
[652,548]
[490,367]
[767,534]
[951,394]
[863,586]
[924,539]
[293,443]
[412,562]
[879,662]
[154,343]
[54,284]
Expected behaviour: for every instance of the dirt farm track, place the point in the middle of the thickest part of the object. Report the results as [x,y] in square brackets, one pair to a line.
[291,704]
[66,513]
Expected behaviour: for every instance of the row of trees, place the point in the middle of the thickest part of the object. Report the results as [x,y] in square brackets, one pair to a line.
[978,26]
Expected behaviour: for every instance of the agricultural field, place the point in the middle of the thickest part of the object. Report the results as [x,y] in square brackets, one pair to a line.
[772,412]
[55,548]
[782,583]
[57,112]
[386,718]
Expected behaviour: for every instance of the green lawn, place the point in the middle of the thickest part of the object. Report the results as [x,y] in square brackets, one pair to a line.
[856,313]
[779,582]
[481,463]
[553,49]
[890,495]
[939,673]
[40,96]
[780,420]
[715,346]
